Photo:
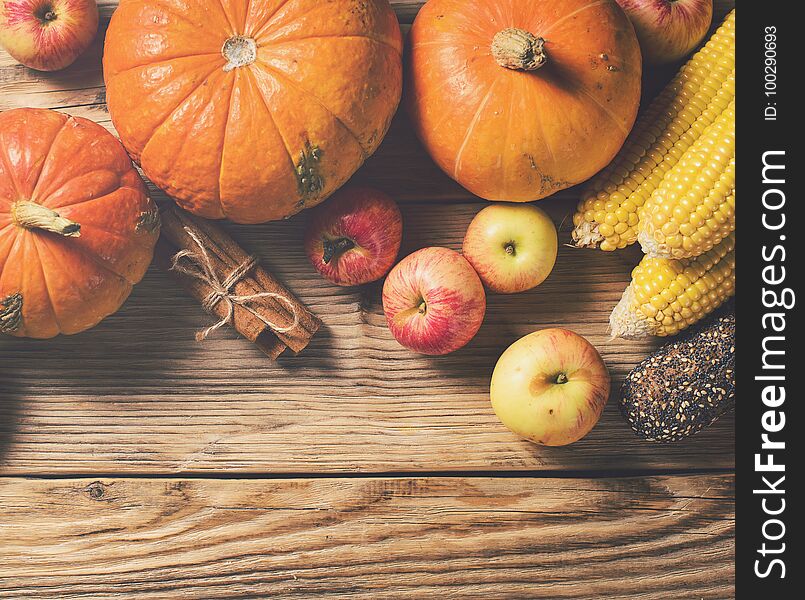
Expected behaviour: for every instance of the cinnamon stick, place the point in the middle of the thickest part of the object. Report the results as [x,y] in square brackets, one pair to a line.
[225,257]
[232,255]
[248,326]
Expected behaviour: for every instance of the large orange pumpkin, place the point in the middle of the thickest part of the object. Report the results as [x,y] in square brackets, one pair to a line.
[517,99]
[252,109]
[77,229]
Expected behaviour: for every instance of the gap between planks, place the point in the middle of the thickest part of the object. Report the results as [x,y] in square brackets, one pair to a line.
[479,474]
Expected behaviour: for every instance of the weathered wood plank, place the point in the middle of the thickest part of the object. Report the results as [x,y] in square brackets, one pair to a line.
[369,538]
[138,394]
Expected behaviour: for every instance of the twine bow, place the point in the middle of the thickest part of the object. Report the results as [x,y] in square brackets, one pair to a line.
[201,268]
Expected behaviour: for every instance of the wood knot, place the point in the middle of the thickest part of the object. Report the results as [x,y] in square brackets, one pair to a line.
[95,490]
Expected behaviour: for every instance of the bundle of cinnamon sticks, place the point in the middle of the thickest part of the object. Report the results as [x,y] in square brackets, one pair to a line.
[260,308]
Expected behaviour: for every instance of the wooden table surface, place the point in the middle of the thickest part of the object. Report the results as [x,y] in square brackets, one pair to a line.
[136,462]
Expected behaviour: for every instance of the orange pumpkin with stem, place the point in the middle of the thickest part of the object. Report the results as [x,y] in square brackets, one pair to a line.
[252,110]
[77,229]
[517,99]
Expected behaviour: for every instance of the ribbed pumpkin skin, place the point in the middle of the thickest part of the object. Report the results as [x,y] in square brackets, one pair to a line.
[237,143]
[522,135]
[78,169]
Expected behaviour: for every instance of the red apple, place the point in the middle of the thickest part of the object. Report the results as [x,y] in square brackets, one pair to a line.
[550,387]
[668,29]
[511,246]
[355,236]
[47,35]
[434,301]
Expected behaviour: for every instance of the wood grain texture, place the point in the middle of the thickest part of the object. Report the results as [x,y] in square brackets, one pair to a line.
[651,538]
[138,407]
[138,394]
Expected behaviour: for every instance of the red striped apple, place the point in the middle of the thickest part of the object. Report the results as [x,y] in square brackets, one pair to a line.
[47,35]
[434,301]
[550,387]
[668,29]
[511,246]
[355,236]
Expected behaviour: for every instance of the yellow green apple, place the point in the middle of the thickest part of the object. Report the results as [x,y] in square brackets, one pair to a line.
[550,387]
[512,247]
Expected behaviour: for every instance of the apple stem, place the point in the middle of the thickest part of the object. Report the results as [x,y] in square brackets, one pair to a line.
[561,378]
[423,308]
[333,247]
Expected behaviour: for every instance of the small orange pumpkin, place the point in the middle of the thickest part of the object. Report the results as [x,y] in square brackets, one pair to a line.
[77,229]
[252,110]
[517,99]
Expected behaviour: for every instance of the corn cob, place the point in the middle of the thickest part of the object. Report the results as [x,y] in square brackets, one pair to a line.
[686,385]
[667,296]
[607,216]
[693,209]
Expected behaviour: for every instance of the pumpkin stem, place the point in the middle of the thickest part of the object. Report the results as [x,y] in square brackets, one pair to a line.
[238,51]
[518,49]
[35,216]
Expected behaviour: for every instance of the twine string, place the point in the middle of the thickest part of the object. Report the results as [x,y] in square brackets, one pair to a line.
[199,266]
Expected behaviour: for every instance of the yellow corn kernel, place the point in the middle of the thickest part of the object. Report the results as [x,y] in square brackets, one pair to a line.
[666,296]
[699,93]
[693,209]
